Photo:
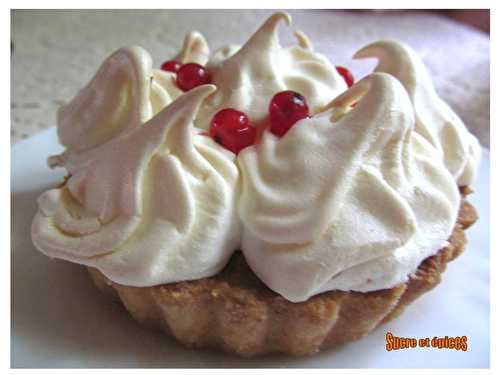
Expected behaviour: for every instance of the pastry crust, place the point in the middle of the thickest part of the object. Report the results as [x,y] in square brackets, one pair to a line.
[234,311]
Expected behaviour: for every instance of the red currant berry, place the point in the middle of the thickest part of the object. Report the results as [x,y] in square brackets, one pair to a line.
[170,66]
[191,75]
[285,109]
[346,74]
[231,128]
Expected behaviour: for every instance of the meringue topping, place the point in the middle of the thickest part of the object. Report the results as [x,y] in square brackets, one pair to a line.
[120,96]
[352,198]
[249,77]
[435,120]
[156,204]
[345,203]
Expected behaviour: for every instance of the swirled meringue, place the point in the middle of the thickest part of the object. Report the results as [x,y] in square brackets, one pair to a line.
[353,198]
[125,91]
[248,77]
[435,120]
[156,204]
[121,95]
[346,204]
[194,50]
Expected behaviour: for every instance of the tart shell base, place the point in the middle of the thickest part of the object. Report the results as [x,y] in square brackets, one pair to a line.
[234,311]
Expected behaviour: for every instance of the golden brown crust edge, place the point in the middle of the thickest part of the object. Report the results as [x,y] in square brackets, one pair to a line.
[234,311]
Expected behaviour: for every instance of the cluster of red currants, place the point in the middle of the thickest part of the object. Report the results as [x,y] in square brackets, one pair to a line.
[232,128]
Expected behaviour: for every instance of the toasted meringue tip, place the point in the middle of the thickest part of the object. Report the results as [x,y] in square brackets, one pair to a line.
[303,40]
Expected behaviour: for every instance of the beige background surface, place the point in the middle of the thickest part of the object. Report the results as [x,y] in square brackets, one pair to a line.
[56,52]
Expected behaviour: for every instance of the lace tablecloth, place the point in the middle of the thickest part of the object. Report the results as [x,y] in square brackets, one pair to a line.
[54,53]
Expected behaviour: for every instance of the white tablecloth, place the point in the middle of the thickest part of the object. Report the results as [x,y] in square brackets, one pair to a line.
[56,52]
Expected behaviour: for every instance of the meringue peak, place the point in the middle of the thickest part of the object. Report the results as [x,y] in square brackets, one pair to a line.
[194,50]
[266,37]
[436,122]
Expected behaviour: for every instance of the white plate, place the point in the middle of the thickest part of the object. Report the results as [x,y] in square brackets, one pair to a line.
[60,320]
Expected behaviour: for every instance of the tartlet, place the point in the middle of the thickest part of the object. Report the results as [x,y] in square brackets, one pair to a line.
[234,311]
[252,200]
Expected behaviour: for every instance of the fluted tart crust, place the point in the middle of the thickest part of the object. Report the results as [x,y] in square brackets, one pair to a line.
[234,311]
